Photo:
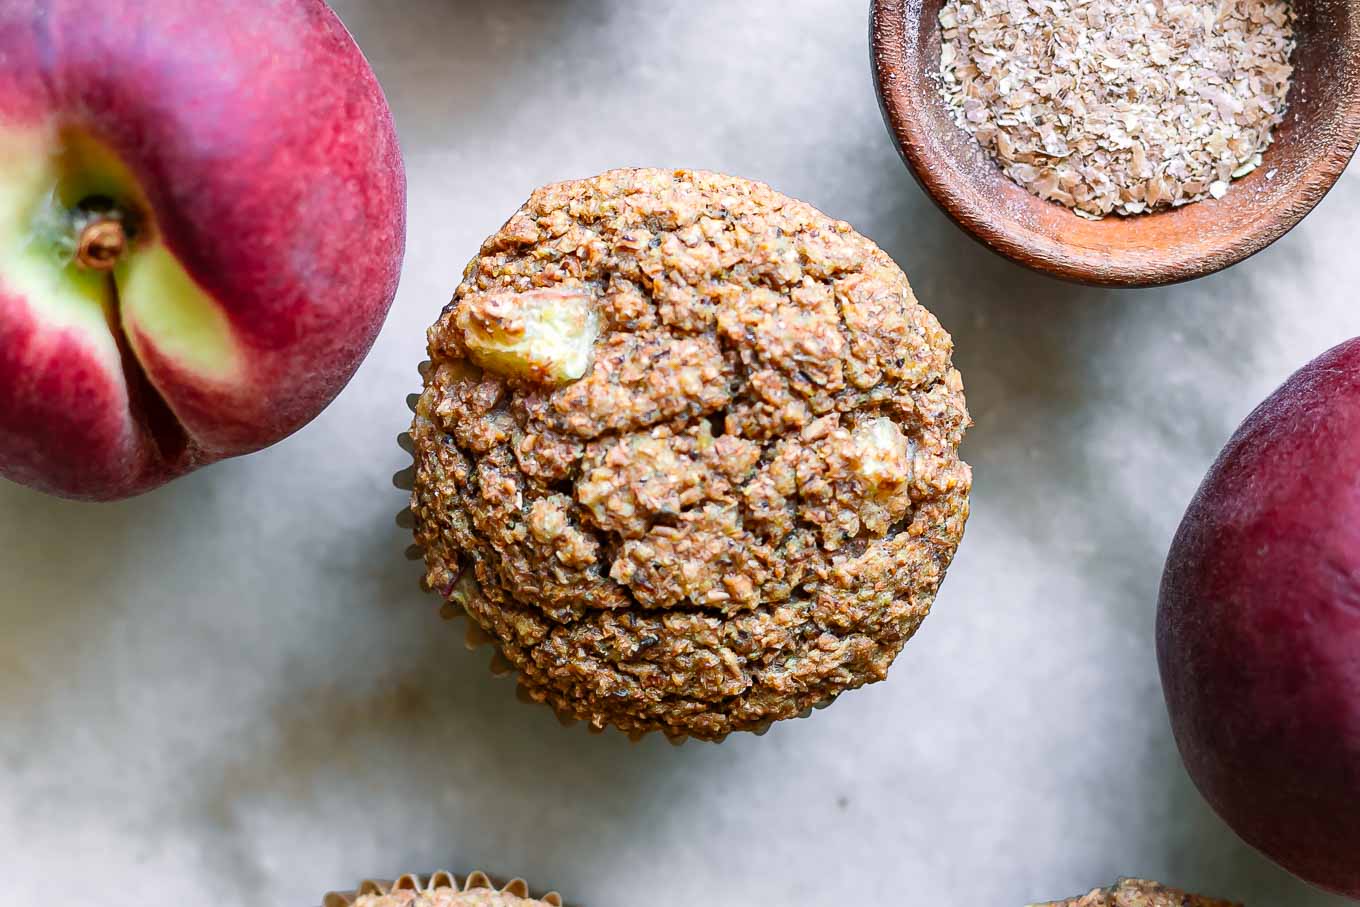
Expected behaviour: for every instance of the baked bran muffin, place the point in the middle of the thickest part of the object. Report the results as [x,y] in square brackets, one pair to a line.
[447,897]
[1139,893]
[688,452]
[443,889]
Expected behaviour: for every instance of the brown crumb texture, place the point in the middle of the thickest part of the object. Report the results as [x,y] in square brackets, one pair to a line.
[742,507]
[446,897]
[1138,893]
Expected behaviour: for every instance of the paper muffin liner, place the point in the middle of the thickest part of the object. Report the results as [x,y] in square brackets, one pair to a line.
[475,638]
[412,882]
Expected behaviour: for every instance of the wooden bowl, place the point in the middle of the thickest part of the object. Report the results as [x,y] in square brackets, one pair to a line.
[1311,149]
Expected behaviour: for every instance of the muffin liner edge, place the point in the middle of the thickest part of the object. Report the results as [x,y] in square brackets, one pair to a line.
[442,879]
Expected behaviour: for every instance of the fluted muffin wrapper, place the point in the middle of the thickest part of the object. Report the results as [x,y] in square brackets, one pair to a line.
[443,879]
[475,638]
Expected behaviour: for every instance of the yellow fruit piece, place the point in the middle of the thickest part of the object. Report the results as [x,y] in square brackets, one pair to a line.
[544,336]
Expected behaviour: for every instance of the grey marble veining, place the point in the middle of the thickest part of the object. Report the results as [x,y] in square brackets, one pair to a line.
[231,691]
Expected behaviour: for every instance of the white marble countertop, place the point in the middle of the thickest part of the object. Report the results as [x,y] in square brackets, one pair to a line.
[231,691]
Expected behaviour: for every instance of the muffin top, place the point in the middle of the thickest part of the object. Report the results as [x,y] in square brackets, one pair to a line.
[688,451]
[447,897]
[1140,893]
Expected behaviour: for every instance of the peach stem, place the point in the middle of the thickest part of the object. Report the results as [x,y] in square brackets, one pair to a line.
[102,242]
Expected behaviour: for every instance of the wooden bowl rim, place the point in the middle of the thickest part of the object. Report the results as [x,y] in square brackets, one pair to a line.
[987,223]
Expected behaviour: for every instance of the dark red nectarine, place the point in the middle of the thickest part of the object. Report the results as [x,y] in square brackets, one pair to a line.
[1258,632]
[202,222]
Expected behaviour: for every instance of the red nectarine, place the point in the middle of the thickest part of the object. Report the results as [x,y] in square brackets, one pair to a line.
[1258,632]
[202,222]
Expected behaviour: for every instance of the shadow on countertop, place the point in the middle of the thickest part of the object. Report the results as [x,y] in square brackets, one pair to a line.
[488,782]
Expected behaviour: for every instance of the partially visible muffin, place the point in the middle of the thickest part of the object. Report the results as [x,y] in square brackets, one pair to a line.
[1139,893]
[688,452]
[443,889]
[447,897]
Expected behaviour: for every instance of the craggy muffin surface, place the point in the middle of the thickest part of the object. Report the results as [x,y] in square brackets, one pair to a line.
[688,450]
[446,897]
[1139,893]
